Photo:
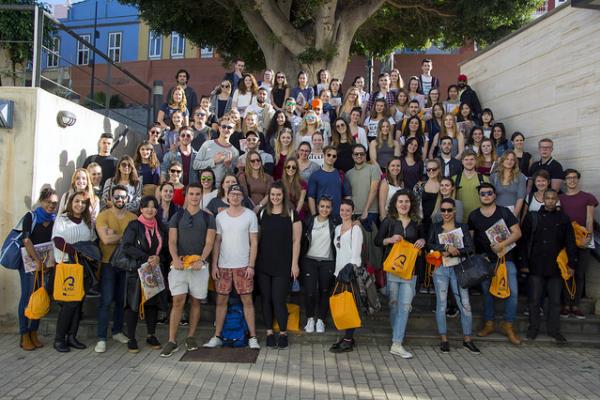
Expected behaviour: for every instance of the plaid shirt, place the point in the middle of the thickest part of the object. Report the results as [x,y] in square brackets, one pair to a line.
[390,99]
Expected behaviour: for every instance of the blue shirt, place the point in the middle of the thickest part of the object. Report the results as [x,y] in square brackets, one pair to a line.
[331,184]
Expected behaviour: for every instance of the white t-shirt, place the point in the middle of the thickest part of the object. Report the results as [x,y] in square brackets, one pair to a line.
[317,158]
[320,243]
[426,82]
[372,124]
[235,239]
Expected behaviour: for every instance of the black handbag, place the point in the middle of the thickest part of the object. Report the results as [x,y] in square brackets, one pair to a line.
[119,259]
[473,270]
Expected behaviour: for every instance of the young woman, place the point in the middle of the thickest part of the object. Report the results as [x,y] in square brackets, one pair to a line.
[359,83]
[316,155]
[384,147]
[284,147]
[220,203]
[81,182]
[74,226]
[396,81]
[523,157]
[535,200]
[302,93]
[434,97]
[127,176]
[449,129]
[413,91]
[278,122]
[35,233]
[318,265]
[280,91]
[329,111]
[444,276]
[486,157]
[95,172]
[342,139]
[268,80]
[305,166]
[390,184]
[465,121]
[177,102]
[220,103]
[378,112]
[475,138]
[428,191]
[172,134]
[453,101]
[447,192]
[255,181]
[358,131]
[510,183]
[335,88]
[487,121]
[400,108]
[154,134]
[501,144]
[322,81]
[433,126]
[295,186]
[144,240]
[245,94]
[147,166]
[166,207]
[414,129]
[348,243]
[276,265]
[209,187]
[310,125]
[402,223]
[411,163]
[175,173]
[351,102]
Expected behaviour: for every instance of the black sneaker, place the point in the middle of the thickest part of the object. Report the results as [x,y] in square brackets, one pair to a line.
[132,346]
[153,342]
[445,347]
[169,349]
[184,322]
[282,342]
[271,342]
[451,312]
[342,346]
[471,347]
[531,334]
[559,339]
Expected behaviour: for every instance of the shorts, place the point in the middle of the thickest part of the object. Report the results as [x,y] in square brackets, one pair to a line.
[194,282]
[237,276]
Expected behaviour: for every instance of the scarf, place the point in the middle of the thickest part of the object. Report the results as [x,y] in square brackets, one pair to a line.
[151,226]
[42,216]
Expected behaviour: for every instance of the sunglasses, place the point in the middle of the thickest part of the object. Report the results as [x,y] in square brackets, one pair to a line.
[185,135]
[291,167]
[331,155]
[255,160]
[52,203]
[280,77]
[153,132]
[252,140]
[175,171]
[486,193]
[446,210]
[289,103]
[206,178]
[432,169]
[119,197]
[340,126]
[225,86]
[228,127]
[201,114]
[361,154]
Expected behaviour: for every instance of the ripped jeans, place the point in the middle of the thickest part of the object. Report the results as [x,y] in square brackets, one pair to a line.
[444,278]
[400,295]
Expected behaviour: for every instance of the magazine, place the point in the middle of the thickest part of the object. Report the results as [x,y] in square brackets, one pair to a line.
[151,279]
[45,251]
[499,232]
[453,238]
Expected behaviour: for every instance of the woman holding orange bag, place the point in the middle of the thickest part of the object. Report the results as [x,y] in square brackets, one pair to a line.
[402,223]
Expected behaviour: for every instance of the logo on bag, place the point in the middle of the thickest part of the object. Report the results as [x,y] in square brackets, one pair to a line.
[68,286]
[399,261]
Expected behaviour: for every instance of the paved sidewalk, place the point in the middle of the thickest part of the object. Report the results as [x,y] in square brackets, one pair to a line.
[306,371]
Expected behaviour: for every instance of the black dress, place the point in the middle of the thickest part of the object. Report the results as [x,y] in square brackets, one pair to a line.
[275,260]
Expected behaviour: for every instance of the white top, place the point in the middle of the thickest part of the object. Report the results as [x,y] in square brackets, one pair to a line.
[536,205]
[317,158]
[362,137]
[71,233]
[207,198]
[243,100]
[349,247]
[320,243]
[372,124]
[391,190]
[235,238]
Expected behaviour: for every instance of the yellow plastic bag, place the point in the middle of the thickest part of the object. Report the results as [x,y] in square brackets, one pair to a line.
[581,235]
[293,322]
[401,260]
[68,281]
[39,301]
[499,286]
[344,311]
[187,261]
[563,260]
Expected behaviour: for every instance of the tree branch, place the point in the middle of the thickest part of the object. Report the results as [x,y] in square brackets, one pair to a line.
[286,7]
[293,39]
[325,24]
[419,6]
[353,16]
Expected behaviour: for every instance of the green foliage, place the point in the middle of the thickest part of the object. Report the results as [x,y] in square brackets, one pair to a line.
[99,101]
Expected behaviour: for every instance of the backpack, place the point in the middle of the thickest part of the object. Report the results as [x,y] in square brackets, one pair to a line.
[459,177]
[235,329]
[179,215]
[10,254]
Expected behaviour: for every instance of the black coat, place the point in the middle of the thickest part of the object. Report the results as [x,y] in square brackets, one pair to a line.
[433,242]
[390,227]
[469,96]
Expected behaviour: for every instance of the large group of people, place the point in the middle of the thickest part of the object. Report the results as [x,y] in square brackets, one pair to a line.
[264,183]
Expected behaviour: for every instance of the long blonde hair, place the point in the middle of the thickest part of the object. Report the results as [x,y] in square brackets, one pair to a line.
[248,167]
[444,131]
[346,107]
[390,138]
[304,126]
[182,105]
[89,189]
[515,172]
[292,184]
[245,128]
[278,146]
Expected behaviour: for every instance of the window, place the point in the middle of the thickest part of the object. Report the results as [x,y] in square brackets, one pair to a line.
[155,44]
[114,46]
[83,52]
[206,52]
[177,45]
[53,52]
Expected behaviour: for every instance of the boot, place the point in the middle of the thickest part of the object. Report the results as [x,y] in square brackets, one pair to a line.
[488,329]
[35,340]
[507,330]
[26,343]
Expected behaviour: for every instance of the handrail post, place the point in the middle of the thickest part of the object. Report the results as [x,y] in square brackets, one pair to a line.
[38,37]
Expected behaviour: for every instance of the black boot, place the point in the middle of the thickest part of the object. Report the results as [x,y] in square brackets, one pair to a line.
[76,344]
[61,346]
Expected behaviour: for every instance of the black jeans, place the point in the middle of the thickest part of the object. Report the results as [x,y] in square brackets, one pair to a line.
[317,279]
[553,286]
[68,319]
[274,291]
[150,315]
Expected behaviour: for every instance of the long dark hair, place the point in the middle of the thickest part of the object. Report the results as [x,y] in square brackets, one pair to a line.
[413,213]
[285,207]
[86,215]
[418,154]
[273,127]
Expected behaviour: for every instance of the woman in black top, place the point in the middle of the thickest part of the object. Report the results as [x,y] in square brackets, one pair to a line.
[280,91]
[342,139]
[37,229]
[144,240]
[279,223]
[524,158]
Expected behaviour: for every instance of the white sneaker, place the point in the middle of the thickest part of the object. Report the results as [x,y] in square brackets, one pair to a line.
[100,346]
[310,325]
[253,343]
[398,350]
[214,342]
[320,326]
[121,338]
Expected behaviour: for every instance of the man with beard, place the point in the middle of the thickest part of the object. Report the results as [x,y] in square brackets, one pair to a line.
[468,95]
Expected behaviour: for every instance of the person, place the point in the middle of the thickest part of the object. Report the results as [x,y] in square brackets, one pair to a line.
[449,130]
[450,165]
[317,154]
[310,124]
[221,202]
[391,182]
[292,113]
[342,139]
[280,91]
[510,183]
[172,133]
[303,93]
[396,81]
[351,101]
[358,131]
[364,181]
[191,234]
[501,144]
[480,221]
[126,176]
[383,92]
[250,124]
[95,172]
[402,223]
[263,109]
[110,226]
[475,138]
[359,83]
[306,166]
[433,124]
[212,120]
[81,182]
[413,91]
[524,158]
[427,191]
[147,166]
[202,131]
[579,206]
[253,143]
[486,158]
[322,81]
[535,200]
[466,183]
[37,229]
[329,182]
[465,119]
[220,101]
[245,94]
[184,154]
[233,264]
[175,171]
[378,112]
[255,180]
[411,160]
[278,122]
[235,76]
[426,80]
[295,186]
[177,102]
[268,80]
[74,226]
[444,276]
[468,95]
[166,207]
[182,77]
[547,231]
[384,147]
[107,161]
[335,89]
[452,101]
[413,128]
[487,121]
[218,154]
[548,163]
[447,192]
[155,138]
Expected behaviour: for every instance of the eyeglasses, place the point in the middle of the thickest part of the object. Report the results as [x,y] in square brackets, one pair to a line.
[361,154]
[340,126]
[446,210]
[119,196]
[51,203]
[125,166]
[330,155]
[201,114]
[206,178]
[252,140]
[432,169]
[255,160]
[225,86]
[291,167]
[486,193]
[175,171]
[280,76]
[571,178]
[228,127]
[183,135]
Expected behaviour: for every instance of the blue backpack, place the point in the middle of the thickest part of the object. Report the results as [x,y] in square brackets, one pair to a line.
[10,254]
[235,329]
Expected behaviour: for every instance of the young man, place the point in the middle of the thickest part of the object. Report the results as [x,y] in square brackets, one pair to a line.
[468,95]
[182,77]
[110,225]
[547,231]
[466,182]
[191,233]
[384,92]
[107,162]
[328,182]
[253,143]
[219,154]
[185,154]
[235,249]
[262,108]
[235,76]
[364,180]
[579,206]
[450,165]
[480,221]
[202,132]
[554,168]
[426,80]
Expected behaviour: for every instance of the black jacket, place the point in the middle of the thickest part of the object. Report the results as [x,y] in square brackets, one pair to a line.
[390,227]
[433,242]
[307,228]
[469,96]
[455,167]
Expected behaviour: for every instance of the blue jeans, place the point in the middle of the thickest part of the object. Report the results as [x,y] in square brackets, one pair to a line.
[112,288]
[400,295]
[510,305]
[444,277]
[26,324]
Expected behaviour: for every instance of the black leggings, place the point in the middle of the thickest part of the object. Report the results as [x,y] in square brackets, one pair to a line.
[274,291]
[68,319]
[150,315]
[317,279]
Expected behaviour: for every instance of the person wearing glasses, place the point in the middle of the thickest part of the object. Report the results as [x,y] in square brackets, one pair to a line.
[177,102]
[342,139]
[290,108]
[253,143]
[175,171]
[280,91]
[202,132]
[158,143]
[185,154]
[364,181]
[453,251]
[218,154]
[255,180]
[220,102]
[480,221]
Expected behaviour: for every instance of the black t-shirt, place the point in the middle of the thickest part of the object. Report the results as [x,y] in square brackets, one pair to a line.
[40,234]
[479,223]
[275,228]
[108,164]
[552,166]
